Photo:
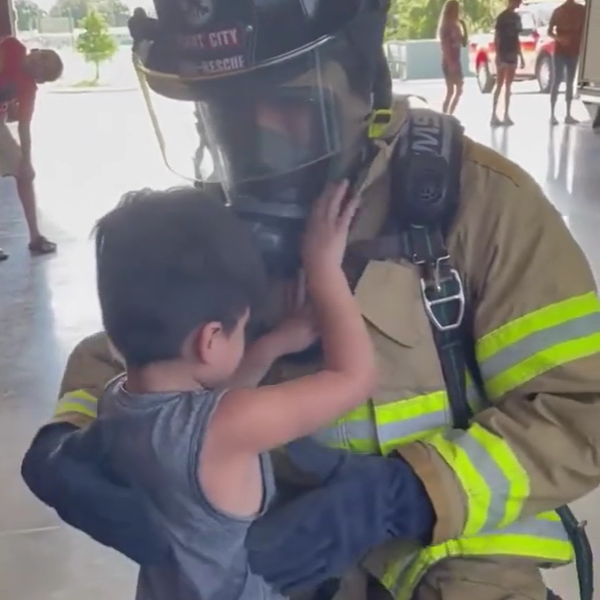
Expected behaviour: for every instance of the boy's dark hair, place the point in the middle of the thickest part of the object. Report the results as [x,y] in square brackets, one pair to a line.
[169,262]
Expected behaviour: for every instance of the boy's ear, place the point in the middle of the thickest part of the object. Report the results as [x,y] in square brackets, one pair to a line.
[204,340]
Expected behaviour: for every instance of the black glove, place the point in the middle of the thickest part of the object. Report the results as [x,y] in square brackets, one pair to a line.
[63,468]
[365,502]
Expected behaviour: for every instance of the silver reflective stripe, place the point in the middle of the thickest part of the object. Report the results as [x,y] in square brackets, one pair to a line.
[364,430]
[541,528]
[91,406]
[484,464]
[391,432]
[339,435]
[537,342]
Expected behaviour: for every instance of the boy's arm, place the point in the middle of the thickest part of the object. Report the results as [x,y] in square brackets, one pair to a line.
[268,417]
[258,420]
[255,365]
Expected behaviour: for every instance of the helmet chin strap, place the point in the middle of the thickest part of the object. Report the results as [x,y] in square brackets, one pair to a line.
[359,169]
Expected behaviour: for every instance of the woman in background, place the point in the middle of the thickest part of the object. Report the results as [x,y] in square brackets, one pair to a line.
[452,33]
[509,56]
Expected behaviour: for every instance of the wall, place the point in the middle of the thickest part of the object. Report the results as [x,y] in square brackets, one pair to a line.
[423,60]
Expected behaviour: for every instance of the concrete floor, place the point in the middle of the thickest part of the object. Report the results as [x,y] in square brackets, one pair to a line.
[48,304]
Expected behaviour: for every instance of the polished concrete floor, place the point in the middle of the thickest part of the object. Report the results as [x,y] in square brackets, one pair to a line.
[46,305]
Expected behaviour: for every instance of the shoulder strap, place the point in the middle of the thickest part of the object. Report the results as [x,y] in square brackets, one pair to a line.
[425,196]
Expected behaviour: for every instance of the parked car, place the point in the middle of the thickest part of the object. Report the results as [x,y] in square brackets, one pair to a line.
[537,47]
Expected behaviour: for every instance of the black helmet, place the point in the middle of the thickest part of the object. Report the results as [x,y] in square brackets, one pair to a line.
[278,91]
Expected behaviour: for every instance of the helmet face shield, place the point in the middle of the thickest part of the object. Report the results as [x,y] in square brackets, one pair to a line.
[179,136]
[263,123]
[268,133]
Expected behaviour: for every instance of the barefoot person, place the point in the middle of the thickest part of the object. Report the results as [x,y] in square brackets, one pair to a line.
[20,72]
[452,33]
[508,56]
[566,27]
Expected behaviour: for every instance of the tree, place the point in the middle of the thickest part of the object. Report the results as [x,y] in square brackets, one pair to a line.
[95,42]
[115,12]
[418,19]
[28,14]
[76,10]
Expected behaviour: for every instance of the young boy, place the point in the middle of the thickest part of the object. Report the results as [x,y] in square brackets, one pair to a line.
[20,72]
[178,278]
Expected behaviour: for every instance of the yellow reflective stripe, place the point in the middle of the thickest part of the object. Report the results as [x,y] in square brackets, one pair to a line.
[383,427]
[479,494]
[538,320]
[513,488]
[78,401]
[543,362]
[405,420]
[538,342]
[495,483]
[542,538]
[551,515]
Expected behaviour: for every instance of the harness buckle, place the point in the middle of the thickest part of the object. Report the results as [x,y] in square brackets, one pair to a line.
[435,282]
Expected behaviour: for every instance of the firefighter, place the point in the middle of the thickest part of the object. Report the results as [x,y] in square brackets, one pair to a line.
[482,309]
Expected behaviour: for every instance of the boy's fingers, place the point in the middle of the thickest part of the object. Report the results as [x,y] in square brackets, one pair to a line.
[320,205]
[336,198]
[349,212]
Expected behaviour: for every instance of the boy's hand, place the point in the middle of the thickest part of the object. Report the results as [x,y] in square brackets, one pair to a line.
[297,331]
[327,228]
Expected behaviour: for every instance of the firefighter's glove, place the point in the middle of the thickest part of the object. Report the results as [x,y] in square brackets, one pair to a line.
[366,501]
[63,469]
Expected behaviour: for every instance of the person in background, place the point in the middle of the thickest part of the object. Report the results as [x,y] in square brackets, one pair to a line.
[566,28]
[452,33]
[508,56]
[20,73]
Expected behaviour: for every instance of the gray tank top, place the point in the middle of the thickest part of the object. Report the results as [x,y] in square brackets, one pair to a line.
[153,441]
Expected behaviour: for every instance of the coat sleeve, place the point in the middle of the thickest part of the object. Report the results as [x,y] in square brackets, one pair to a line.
[535,445]
[91,365]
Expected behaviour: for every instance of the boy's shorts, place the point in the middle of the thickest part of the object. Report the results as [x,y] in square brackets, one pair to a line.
[10,151]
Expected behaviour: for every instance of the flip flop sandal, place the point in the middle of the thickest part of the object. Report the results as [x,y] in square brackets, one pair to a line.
[42,246]
[3,255]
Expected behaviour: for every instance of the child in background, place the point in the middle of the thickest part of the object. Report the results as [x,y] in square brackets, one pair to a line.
[178,279]
[20,74]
